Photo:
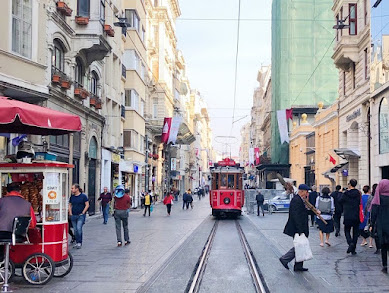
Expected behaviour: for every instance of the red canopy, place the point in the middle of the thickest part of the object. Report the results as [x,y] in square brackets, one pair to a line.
[20,117]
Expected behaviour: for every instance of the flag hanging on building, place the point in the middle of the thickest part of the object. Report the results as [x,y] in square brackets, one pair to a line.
[332,160]
[175,126]
[256,152]
[167,122]
[282,119]
[251,156]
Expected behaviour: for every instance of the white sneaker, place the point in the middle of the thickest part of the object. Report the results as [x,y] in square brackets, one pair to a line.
[79,245]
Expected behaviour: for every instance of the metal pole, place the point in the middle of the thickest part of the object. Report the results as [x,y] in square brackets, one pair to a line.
[147,165]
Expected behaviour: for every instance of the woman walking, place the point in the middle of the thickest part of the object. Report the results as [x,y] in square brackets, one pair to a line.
[363,227]
[326,207]
[373,213]
[78,206]
[168,201]
[381,219]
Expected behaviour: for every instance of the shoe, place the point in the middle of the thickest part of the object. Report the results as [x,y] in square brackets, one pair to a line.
[349,249]
[127,242]
[285,264]
[263,215]
[73,240]
[371,246]
[377,251]
[258,215]
[78,245]
[363,244]
[300,269]
[119,243]
[321,244]
[336,234]
[353,252]
[384,270]
[329,244]
[144,215]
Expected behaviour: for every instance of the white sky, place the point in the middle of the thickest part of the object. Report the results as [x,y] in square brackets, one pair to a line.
[209,48]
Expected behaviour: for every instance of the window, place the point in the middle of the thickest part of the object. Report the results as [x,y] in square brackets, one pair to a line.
[22,27]
[102,10]
[132,18]
[142,107]
[344,83]
[132,99]
[94,81]
[366,65]
[79,72]
[143,33]
[60,140]
[142,144]
[134,142]
[155,108]
[143,71]
[131,60]
[352,9]
[353,73]
[155,3]
[58,57]
[127,138]
[83,8]
[383,126]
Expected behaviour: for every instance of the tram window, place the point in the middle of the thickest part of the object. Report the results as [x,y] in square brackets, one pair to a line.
[223,182]
[231,181]
[215,183]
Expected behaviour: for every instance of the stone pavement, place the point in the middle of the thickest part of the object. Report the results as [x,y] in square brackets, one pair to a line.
[101,266]
[331,269]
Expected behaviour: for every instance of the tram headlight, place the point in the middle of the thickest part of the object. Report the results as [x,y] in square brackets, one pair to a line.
[226,200]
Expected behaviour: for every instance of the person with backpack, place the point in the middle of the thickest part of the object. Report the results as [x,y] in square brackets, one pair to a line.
[121,209]
[336,195]
[325,207]
[260,200]
[189,200]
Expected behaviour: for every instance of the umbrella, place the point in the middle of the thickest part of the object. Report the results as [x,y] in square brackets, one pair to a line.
[21,117]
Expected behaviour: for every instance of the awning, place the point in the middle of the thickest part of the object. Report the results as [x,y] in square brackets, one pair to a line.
[185,136]
[346,153]
[20,117]
[336,168]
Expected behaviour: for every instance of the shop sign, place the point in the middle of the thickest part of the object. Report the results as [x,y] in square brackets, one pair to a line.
[173,165]
[354,115]
[52,188]
[115,158]
[136,169]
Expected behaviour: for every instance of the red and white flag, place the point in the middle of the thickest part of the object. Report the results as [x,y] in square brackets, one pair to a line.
[256,154]
[174,127]
[332,160]
[282,118]
[167,122]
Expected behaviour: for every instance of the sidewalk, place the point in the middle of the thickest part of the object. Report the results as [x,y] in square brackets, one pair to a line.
[331,267]
[101,266]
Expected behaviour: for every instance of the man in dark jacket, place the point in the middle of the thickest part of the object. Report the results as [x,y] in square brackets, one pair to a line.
[336,195]
[260,199]
[350,200]
[297,223]
[312,199]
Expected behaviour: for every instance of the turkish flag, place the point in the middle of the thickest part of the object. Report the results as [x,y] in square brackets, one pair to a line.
[332,160]
[167,123]
[256,155]
[289,114]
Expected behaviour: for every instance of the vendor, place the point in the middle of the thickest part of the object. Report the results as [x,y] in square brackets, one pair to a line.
[11,206]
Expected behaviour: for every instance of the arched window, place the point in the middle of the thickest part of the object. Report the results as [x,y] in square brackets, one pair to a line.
[58,57]
[93,148]
[383,126]
[79,72]
[94,83]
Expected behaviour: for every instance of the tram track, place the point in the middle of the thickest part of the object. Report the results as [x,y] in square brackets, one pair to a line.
[194,283]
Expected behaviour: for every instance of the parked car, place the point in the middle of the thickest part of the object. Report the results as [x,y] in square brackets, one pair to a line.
[277,203]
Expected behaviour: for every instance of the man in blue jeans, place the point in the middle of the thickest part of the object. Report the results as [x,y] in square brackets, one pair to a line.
[78,206]
[105,198]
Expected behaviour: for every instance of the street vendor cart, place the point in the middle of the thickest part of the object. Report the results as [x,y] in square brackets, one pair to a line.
[44,254]
[45,184]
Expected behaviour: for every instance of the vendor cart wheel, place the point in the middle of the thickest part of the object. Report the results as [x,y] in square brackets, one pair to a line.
[64,268]
[11,271]
[38,269]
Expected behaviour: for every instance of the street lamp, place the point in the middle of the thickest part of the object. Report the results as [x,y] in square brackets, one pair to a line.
[341,25]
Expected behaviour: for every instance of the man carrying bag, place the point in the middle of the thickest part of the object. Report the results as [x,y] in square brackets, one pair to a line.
[297,223]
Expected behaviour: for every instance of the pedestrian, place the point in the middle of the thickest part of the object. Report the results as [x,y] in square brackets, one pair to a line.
[199,193]
[168,201]
[189,200]
[312,199]
[336,195]
[364,226]
[350,200]
[260,200]
[106,199]
[373,209]
[78,206]
[121,210]
[148,202]
[381,219]
[325,207]
[11,206]
[142,199]
[184,197]
[297,223]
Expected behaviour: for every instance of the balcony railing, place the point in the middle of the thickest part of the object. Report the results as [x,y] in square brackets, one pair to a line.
[124,71]
[123,111]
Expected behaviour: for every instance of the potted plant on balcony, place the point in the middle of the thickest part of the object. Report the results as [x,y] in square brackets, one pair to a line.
[64,8]
[98,104]
[93,100]
[65,84]
[56,78]
[155,156]
[80,92]
[109,30]
[82,20]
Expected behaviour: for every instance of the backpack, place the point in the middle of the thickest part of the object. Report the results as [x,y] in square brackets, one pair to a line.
[325,205]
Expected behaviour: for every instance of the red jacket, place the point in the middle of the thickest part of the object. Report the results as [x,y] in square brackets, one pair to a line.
[168,199]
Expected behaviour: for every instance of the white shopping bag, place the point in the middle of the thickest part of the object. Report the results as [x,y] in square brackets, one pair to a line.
[302,249]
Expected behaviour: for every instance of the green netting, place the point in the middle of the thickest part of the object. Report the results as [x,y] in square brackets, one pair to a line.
[301,33]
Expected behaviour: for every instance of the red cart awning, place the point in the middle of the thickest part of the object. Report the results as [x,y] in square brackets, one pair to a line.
[20,117]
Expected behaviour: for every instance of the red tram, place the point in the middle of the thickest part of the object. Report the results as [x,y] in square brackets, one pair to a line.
[227,195]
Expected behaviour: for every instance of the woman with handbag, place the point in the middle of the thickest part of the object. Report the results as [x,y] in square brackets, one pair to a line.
[326,207]
[364,226]
[168,201]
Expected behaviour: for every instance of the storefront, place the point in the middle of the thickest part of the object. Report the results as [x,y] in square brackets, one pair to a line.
[131,179]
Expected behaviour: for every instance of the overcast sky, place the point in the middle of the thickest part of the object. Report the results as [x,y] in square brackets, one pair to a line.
[209,48]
